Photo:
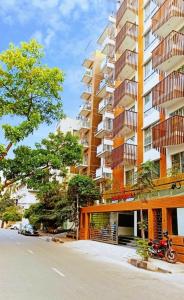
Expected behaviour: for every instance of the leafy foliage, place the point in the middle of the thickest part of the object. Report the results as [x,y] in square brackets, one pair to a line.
[12,213]
[29,90]
[142,248]
[146,172]
[35,167]
[86,189]
[5,202]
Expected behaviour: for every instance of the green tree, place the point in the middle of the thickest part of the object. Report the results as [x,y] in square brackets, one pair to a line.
[36,167]
[145,174]
[29,91]
[41,169]
[12,213]
[82,191]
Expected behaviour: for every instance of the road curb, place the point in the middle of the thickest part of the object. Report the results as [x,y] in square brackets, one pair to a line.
[146,265]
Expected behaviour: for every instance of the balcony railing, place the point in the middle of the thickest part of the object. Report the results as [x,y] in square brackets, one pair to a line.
[103,149]
[87,93]
[84,123]
[129,30]
[126,12]
[84,143]
[103,172]
[169,91]
[105,104]
[170,16]
[169,53]
[124,155]
[125,93]
[126,65]
[85,109]
[87,77]
[168,133]
[125,123]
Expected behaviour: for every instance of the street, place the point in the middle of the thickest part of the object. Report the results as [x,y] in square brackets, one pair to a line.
[34,269]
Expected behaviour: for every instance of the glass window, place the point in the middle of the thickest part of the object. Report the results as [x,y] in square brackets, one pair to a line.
[129,177]
[149,8]
[147,101]
[147,139]
[148,69]
[148,39]
[178,162]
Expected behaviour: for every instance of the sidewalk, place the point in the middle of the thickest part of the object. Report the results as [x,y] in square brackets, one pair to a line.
[119,254]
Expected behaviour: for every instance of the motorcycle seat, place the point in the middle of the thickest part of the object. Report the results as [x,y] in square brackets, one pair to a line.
[156,241]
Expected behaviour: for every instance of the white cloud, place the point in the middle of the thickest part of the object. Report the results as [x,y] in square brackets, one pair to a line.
[38,35]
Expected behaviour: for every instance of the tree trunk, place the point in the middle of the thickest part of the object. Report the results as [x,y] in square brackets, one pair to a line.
[142,221]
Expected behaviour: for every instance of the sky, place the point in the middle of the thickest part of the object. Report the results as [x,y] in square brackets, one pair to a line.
[68,29]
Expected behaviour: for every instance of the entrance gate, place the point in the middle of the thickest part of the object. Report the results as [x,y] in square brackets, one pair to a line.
[103,227]
[157,223]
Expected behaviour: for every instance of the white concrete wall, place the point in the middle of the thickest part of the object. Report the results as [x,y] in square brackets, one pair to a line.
[25,197]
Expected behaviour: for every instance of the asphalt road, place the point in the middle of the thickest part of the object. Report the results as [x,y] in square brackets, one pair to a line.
[33,269]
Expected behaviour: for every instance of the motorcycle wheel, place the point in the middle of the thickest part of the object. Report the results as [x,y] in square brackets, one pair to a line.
[171,256]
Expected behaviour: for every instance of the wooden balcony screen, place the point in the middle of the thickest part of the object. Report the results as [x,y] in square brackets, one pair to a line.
[172,45]
[126,4]
[168,133]
[129,29]
[128,57]
[126,118]
[170,8]
[171,87]
[124,154]
[126,88]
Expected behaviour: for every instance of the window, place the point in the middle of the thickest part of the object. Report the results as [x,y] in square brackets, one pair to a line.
[147,139]
[147,101]
[148,39]
[179,112]
[148,69]
[148,10]
[129,177]
[178,162]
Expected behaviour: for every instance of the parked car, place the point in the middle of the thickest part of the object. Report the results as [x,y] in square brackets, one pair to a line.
[28,230]
[15,226]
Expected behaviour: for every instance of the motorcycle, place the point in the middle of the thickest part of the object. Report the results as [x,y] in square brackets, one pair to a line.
[162,249]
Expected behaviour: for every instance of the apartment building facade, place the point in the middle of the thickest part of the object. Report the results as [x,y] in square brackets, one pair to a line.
[147,109]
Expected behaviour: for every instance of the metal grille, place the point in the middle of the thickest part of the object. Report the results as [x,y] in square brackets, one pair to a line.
[103,227]
[158,224]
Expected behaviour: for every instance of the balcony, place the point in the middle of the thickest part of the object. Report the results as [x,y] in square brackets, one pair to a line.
[87,77]
[127,12]
[169,17]
[85,109]
[169,54]
[125,123]
[125,93]
[169,91]
[88,63]
[168,133]
[84,163]
[107,39]
[105,105]
[127,37]
[104,129]
[103,173]
[84,143]
[104,149]
[126,65]
[86,95]
[124,155]
[84,125]
[107,66]
[106,88]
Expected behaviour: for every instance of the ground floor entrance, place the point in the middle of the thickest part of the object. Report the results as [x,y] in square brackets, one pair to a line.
[118,223]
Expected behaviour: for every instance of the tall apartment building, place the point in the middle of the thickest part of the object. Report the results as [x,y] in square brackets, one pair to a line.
[148,122]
